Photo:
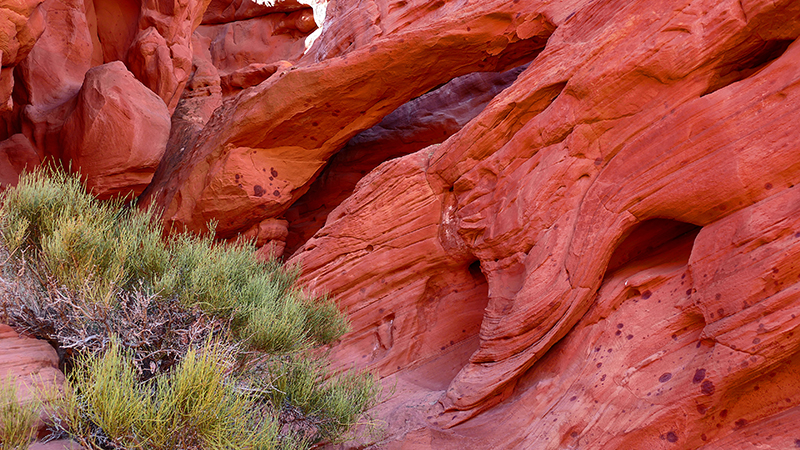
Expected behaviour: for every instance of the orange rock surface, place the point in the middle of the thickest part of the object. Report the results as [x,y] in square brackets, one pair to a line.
[553,224]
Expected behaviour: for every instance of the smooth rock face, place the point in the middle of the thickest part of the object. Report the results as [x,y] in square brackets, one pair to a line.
[116,111]
[248,52]
[596,250]
[31,364]
[53,73]
[16,155]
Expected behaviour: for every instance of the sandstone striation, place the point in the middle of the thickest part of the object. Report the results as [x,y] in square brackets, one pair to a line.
[577,219]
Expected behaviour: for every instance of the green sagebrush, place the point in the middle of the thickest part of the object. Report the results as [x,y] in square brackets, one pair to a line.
[113,268]
[18,420]
[100,249]
[194,406]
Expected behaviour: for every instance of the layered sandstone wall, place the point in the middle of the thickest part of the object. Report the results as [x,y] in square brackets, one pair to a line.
[577,219]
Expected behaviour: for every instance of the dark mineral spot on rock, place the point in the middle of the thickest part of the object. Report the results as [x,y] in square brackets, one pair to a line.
[276,193]
[707,387]
[603,378]
[599,365]
[717,296]
[619,325]
[674,337]
[797,443]
[574,434]
[273,172]
[768,186]
[702,409]
[573,398]
[258,191]
[699,375]
[646,295]
[703,437]
[672,437]
[740,423]
[629,337]
[618,333]
[756,341]
[723,414]
[721,312]
[665,377]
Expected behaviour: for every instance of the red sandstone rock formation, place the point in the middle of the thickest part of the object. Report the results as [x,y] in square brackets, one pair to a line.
[602,255]
[115,111]
[21,24]
[31,364]
[542,189]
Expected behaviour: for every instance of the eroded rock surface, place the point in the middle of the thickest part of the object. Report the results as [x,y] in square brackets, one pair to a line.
[542,189]
[595,250]
[115,111]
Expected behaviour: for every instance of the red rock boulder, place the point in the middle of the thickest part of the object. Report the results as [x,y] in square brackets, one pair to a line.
[31,364]
[117,133]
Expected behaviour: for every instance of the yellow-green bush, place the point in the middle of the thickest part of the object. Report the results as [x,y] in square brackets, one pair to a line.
[100,250]
[17,420]
[134,308]
[197,405]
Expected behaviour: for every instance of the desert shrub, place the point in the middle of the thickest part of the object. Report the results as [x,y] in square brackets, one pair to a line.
[104,251]
[17,420]
[194,406]
[130,310]
[92,247]
[228,280]
[311,401]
